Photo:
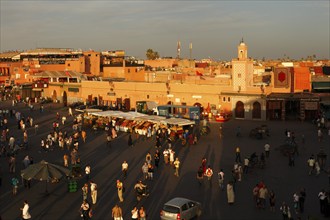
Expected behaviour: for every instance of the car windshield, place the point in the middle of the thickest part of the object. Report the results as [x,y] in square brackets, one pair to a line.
[171,209]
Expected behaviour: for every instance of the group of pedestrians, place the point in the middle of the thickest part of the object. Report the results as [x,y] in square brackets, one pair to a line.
[12,145]
[264,197]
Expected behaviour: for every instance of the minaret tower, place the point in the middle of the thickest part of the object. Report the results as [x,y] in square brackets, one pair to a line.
[242,50]
[242,69]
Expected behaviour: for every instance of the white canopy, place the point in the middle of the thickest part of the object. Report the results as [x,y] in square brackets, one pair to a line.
[92,110]
[118,114]
[142,117]
[178,121]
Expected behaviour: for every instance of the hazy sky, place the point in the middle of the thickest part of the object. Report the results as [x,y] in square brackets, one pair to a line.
[269,28]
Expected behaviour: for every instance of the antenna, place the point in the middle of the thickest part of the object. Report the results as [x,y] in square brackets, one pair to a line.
[178,50]
[190,50]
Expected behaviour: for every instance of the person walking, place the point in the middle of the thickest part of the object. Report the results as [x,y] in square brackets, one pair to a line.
[130,141]
[302,198]
[83,135]
[323,201]
[176,164]
[267,149]
[66,160]
[221,178]
[255,193]
[12,164]
[200,175]
[135,213]
[93,192]
[172,156]
[166,156]
[311,164]
[285,209]
[238,155]
[14,183]
[26,210]
[317,168]
[262,160]
[204,162]
[142,213]
[296,202]
[156,158]
[63,120]
[230,193]
[120,187]
[117,213]
[124,168]
[87,172]
[263,193]
[150,171]
[84,209]
[239,172]
[272,200]
[148,158]
[209,174]
[246,165]
[145,170]
[109,141]
[319,134]
[84,190]
[70,111]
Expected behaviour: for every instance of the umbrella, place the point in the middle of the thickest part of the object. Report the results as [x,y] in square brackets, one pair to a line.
[44,171]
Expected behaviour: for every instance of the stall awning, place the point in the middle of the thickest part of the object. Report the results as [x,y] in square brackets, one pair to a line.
[321,85]
[37,89]
[178,121]
[142,117]
[92,110]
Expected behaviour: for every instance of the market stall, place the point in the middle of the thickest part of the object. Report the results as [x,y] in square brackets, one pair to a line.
[137,122]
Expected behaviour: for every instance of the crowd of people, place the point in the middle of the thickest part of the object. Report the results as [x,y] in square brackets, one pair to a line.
[69,139]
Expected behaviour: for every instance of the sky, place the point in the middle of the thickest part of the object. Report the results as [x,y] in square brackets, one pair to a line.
[271,29]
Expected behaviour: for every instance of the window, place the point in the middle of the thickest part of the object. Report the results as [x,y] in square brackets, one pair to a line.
[184,207]
[147,96]
[228,99]
[69,64]
[224,99]
[191,204]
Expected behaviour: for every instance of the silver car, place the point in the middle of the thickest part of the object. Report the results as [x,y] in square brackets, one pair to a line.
[181,209]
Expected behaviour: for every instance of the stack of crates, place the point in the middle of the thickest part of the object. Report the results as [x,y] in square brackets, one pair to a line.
[72,186]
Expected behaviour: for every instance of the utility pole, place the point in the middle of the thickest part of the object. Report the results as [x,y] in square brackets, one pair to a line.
[190,55]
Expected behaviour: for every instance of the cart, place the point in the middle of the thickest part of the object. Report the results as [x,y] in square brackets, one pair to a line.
[259,132]
[75,174]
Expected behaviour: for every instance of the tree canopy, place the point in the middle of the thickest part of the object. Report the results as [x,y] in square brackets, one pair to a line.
[151,54]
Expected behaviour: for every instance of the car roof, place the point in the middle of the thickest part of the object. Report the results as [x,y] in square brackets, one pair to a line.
[178,201]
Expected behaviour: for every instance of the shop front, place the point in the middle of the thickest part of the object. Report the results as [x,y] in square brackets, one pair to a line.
[292,106]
